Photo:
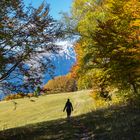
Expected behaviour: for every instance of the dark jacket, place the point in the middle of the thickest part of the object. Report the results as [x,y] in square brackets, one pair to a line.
[68,106]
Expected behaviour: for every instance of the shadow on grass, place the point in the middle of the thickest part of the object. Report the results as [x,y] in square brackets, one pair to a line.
[115,123]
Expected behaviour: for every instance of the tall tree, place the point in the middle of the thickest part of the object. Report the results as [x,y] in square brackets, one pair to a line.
[118,44]
[25,35]
[109,39]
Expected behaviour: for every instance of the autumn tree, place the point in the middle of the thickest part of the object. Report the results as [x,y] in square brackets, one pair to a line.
[26,36]
[65,83]
[109,40]
[116,44]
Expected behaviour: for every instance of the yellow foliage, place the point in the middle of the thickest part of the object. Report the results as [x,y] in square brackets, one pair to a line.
[101,103]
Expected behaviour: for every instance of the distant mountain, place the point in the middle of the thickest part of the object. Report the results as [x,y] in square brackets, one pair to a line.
[62,61]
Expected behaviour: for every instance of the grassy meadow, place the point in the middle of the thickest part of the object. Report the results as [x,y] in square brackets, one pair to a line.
[44,108]
[42,119]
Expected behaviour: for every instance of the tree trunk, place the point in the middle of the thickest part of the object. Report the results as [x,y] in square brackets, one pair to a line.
[134,88]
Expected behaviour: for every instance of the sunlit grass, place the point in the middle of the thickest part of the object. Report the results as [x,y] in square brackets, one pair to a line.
[114,123]
[42,118]
[43,108]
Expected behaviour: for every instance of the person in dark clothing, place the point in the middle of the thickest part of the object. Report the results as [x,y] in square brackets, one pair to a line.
[68,107]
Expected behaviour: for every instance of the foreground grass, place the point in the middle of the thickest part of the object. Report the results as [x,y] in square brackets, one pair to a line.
[44,108]
[42,119]
[115,123]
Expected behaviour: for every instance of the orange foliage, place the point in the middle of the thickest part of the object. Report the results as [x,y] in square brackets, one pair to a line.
[77,66]
[61,84]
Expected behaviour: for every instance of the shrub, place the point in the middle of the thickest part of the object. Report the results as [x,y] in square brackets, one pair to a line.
[117,97]
[14,96]
[61,84]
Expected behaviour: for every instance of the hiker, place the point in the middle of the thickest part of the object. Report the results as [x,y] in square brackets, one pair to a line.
[68,107]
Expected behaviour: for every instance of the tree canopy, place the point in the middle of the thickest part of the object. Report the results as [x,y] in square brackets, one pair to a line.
[25,33]
[109,42]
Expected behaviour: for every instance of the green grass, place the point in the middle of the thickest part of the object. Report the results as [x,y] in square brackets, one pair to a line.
[119,122]
[43,108]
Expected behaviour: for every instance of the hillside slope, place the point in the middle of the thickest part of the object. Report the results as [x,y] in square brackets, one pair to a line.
[42,119]
[43,108]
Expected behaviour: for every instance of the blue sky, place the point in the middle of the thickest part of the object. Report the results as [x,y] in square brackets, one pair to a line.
[56,6]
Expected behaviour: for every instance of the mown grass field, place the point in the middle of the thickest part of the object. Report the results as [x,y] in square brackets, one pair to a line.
[43,119]
[43,108]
